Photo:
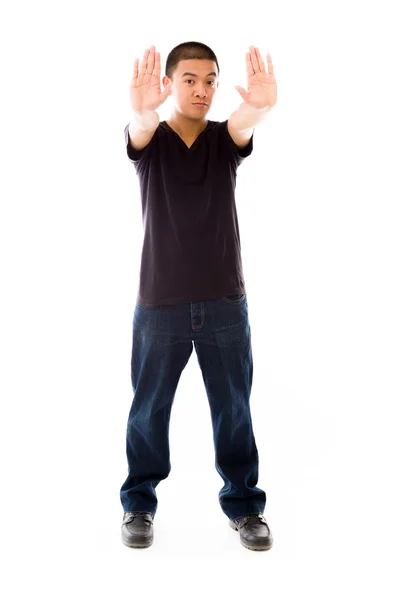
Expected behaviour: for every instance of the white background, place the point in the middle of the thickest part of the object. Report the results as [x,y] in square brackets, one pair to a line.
[318,207]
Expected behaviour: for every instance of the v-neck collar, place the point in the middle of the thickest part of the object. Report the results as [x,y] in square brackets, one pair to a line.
[181,140]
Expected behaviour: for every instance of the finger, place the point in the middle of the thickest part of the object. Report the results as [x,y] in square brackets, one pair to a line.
[254,60]
[260,60]
[242,92]
[157,68]
[143,66]
[270,65]
[166,92]
[136,68]
[250,70]
[150,61]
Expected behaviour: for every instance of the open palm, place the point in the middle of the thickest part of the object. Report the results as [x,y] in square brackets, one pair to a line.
[262,88]
[145,87]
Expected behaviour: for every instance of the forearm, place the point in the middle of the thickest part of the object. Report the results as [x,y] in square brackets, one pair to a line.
[145,120]
[247,117]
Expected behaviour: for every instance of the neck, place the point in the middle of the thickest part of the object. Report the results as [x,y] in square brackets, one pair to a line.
[185,126]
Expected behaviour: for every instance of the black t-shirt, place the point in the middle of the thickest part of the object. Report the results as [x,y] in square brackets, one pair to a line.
[191,248]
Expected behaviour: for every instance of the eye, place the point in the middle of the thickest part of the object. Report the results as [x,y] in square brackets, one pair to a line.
[211,80]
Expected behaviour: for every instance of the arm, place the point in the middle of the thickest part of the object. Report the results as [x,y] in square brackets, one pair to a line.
[242,121]
[146,97]
[258,101]
[142,128]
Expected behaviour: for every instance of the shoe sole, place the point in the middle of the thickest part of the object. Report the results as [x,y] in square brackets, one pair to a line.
[246,545]
[137,544]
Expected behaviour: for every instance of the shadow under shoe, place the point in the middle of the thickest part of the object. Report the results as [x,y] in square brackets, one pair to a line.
[254,531]
[137,529]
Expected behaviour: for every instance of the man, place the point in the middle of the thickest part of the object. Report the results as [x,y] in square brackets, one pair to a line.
[192,288]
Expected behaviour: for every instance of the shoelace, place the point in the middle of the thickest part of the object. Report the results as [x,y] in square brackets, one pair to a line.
[130,515]
[241,522]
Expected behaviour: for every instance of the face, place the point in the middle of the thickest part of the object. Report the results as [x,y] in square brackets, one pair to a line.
[194,81]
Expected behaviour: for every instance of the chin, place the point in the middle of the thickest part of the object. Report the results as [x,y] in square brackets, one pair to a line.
[200,111]
[192,112]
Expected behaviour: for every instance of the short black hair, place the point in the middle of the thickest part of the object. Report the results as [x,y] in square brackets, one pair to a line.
[187,51]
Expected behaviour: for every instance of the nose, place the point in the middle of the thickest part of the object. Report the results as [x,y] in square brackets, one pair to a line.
[201,92]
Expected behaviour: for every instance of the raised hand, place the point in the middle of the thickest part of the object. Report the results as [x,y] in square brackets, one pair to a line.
[145,87]
[262,84]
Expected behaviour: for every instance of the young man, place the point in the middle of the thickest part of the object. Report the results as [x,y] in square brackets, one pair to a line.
[192,289]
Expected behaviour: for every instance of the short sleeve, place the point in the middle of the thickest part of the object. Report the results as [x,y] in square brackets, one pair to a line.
[137,157]
[238,154]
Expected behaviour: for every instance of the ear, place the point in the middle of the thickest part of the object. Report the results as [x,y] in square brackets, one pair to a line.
[165,80]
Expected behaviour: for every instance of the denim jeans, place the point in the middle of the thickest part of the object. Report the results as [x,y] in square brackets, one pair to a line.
[163,338]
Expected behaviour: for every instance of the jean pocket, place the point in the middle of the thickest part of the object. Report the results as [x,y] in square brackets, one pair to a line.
[234,298]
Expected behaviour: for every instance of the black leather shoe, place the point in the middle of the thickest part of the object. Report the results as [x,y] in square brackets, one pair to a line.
[254,531]
[137,529]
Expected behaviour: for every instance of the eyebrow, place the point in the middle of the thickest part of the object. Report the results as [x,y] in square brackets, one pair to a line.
[194,74]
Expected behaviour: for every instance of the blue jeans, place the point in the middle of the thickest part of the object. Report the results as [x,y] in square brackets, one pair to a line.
[163,339]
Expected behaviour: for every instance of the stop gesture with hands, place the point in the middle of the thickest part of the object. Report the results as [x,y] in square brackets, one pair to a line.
[145,86]
[262,89]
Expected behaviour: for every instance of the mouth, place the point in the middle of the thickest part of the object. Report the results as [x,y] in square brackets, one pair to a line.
[199,104]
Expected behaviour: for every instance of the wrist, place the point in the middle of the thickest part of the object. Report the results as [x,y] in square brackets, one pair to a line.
[247,117]
[145,119]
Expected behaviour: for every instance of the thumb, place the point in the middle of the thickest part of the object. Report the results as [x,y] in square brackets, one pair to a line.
[242,92]
[167,91]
